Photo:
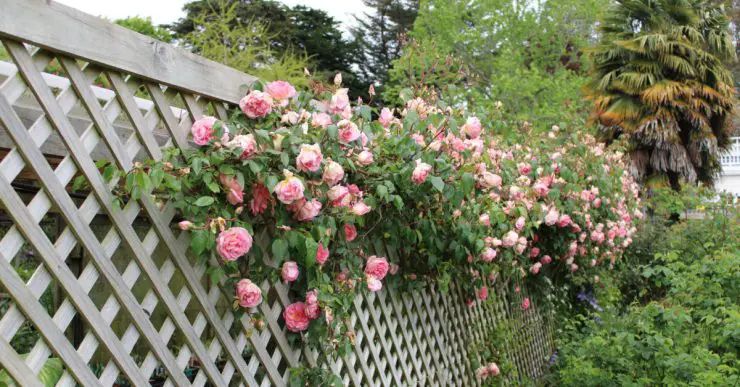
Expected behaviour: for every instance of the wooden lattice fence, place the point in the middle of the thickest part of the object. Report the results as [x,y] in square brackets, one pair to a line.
[135,305]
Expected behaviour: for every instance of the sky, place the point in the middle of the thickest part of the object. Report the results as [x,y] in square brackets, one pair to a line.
[166,11]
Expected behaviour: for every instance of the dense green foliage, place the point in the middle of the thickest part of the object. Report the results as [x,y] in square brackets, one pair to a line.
[527,54]
[320,185]
[380,35]
[671,310]
[146,27]
[659,76]
[286,31]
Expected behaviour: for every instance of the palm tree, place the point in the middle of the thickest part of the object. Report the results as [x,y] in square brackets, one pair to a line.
[658,78]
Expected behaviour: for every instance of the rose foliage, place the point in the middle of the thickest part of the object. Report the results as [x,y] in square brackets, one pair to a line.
[333,198]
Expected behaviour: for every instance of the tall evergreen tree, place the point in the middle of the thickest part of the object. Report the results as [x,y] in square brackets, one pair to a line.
[659,77]
[379,36]
[296,30]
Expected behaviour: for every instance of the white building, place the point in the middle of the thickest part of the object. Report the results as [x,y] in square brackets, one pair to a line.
[730,179]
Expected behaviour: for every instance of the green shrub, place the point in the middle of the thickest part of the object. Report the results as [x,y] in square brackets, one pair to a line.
[679,319]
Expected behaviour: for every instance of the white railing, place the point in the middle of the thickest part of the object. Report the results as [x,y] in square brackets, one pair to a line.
[730,160]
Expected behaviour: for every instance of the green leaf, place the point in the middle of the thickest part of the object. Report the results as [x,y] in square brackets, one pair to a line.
[285,159]
[382,191]
[468,182]
[272,181]
[215,273]
[204,201]
[79,182]
[226,169]
[365,112]
[197,165]
[311,247]
[279,250]
[438,183]
[554,194]
[406,95]
[254,167]
[199,241]
[332,131]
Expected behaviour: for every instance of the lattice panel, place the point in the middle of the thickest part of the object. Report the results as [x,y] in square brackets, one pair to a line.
[129,298]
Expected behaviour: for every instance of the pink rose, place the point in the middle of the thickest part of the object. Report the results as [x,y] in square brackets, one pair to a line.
[521,245]
[290,189]
[525,304]
[535,268]
[348,131]
[491,180]
[202,130]
[472,127]
[564,221]
[524,168]
[322,254]
[377,267]
[360,208]
[338,195]
[305,210]
[493,369]
[541,189]
[488,255]
[552,217]
[256,104]
[333,173]
[386,117]
[393,269]
[234,192]
[365,158]
[246,143]
[309,159]
[519,225]
[289,271]
[483,293]
[248,293]
[598,237]
[510,239]
[291,117]
[185,225]
[339,101]
[233,243]
[373,284]
[535,252]
[597,202]
[350,232]
[420,172]
[312,304]
[281,91]
[484,219]
[321,120]
[295,317]
[260,199]
[546,259]
[418,138]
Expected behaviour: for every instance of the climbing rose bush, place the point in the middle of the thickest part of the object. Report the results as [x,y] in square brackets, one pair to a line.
[312,193]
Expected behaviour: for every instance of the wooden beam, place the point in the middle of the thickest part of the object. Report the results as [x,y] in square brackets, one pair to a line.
[63,29]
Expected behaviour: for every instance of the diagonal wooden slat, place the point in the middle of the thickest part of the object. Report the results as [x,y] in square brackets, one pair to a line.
[126,98]
[370,343]
[36,236]
[87,166]
[16,367]
[163,107]
[36,313]
[165,234]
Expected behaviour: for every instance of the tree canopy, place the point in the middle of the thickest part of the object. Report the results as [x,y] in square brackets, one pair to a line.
[659,77]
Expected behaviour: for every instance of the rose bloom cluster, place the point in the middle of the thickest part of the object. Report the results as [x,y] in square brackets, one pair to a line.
[344,179]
